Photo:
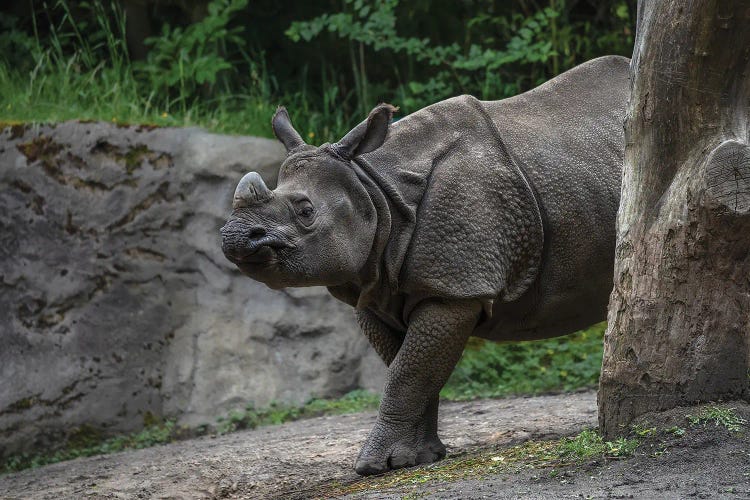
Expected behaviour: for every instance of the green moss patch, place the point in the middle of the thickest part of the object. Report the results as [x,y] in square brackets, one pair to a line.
[44,150]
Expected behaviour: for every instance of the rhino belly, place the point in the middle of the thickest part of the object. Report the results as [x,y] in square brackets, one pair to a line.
[553,317]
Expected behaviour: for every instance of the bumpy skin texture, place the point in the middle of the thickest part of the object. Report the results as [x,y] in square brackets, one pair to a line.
[402,435]
[387,342]
[493,219]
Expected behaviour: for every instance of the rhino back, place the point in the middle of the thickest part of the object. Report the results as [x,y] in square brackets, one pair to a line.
[567,136]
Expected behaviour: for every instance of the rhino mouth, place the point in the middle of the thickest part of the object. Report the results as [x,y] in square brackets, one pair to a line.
[262,255]
[263,251]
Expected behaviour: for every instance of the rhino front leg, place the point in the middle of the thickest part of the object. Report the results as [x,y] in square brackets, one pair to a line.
[437,333]
[387,342]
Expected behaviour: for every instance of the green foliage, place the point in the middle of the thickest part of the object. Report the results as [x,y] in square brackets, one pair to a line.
[81,70]
[719,415]
[490,369]
[183,60]
[472,68]
[88,444]
[500,56]
[677,431]
[86,441]
[278,413]
[589,444]
[229,70]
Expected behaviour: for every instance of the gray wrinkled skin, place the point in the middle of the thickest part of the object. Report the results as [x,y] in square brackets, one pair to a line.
[486,218]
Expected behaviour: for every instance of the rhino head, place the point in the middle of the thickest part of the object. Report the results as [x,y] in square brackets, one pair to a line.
[317,227]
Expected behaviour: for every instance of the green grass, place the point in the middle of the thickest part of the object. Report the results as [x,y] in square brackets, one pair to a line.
[87,442]
[276,413]
[113,95]
[81,70]
[589,444]
[718,415]
[102,95]
[490,369]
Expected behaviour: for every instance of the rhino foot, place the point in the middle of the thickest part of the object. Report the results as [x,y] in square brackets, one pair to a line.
[395,447]
[432,450]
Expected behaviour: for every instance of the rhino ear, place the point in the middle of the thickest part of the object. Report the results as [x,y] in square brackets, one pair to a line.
[368,135]
[284,130]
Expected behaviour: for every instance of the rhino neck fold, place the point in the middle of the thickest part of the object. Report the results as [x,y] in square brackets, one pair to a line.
[377,283]
[374,275]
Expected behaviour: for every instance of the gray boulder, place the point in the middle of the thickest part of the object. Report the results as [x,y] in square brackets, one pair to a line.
[117,304]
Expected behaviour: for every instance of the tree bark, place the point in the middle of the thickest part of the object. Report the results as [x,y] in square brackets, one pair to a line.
[679,314]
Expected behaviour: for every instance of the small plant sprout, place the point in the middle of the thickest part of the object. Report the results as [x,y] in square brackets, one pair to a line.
[642,430]
[677,431]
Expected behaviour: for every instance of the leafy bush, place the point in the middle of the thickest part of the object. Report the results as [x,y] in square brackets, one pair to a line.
[489,369]
[458,69]
[183,60]
[535,49]
[229,70]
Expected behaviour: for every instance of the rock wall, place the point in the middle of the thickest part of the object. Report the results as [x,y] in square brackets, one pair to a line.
[116,304]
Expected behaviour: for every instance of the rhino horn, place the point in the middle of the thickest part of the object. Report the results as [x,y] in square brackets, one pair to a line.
[251,190]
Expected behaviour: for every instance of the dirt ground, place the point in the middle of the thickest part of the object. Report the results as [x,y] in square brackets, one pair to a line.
[311,458]
[707,461]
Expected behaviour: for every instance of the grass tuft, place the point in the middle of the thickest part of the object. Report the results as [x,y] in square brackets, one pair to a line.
[589,444]
[719,415]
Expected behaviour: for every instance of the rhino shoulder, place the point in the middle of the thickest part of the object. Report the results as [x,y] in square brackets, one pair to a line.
[479,231]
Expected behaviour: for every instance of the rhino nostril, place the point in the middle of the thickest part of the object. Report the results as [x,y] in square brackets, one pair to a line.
[256,233]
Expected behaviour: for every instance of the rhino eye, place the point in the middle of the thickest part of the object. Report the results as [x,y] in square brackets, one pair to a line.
[305,211]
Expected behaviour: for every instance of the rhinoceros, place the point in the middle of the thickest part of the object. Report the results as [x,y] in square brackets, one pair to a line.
[487,218]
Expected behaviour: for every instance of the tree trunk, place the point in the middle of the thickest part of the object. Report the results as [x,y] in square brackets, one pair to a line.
[679,314]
